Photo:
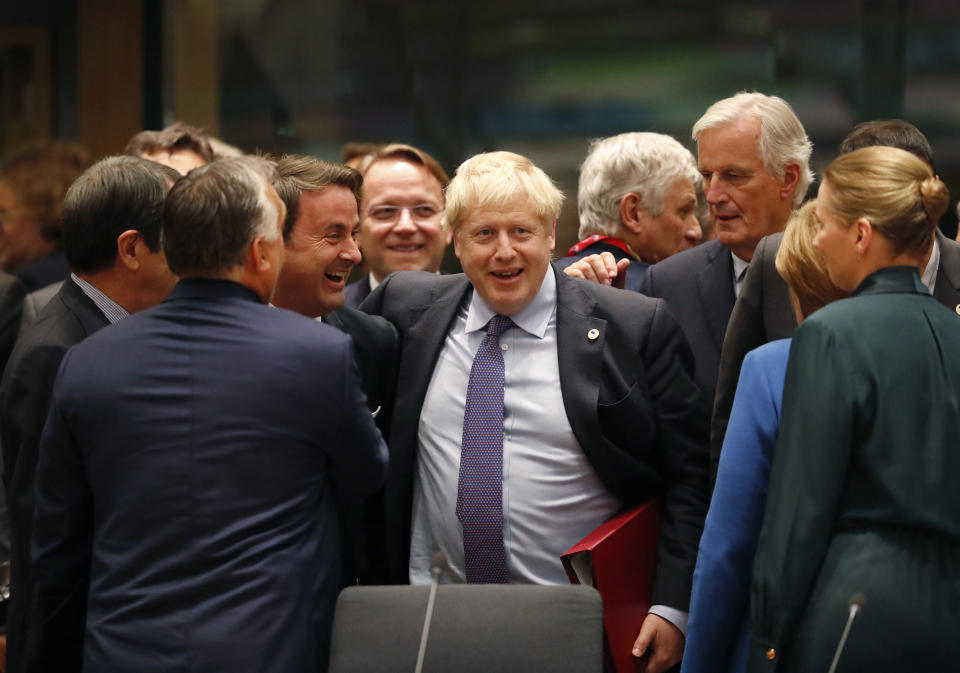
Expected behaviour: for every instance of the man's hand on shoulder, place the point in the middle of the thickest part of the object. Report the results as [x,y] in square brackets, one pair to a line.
[660,642]
[602,268]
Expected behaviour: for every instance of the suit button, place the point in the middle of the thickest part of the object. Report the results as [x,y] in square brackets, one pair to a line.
[771,654]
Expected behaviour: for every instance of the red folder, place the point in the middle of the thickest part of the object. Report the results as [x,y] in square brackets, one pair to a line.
[619,559]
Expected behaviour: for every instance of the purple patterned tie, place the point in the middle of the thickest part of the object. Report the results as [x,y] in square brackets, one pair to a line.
[480,487]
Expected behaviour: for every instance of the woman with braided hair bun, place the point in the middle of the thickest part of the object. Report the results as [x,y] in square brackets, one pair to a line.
[863,496]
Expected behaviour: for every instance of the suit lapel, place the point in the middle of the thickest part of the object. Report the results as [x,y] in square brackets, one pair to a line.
[426,328]
[715,283]
[947,287]
[91,318]
[580,357]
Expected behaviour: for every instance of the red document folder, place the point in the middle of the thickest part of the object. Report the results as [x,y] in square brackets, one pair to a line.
[619,559]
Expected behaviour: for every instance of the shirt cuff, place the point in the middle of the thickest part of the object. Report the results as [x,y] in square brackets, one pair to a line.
[676,617]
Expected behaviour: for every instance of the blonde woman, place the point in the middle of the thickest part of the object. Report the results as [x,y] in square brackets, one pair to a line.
[863,495]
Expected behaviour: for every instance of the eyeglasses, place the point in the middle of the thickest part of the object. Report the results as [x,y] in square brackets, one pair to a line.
[388,214]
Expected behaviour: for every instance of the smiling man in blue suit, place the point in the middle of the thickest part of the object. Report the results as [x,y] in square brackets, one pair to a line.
[188,466]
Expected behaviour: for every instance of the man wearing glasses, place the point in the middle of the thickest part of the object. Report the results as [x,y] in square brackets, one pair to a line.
[400,208]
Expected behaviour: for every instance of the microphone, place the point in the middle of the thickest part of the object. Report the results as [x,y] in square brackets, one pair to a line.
[438,563]
[857,601]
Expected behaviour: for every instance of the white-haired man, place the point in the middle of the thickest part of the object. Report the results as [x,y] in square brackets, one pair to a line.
[637,200]
[753,155]
[534,406]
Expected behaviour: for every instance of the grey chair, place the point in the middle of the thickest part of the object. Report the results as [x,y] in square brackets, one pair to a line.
[475,628]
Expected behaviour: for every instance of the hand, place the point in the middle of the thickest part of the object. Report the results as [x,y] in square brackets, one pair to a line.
[602,268]
[662,640]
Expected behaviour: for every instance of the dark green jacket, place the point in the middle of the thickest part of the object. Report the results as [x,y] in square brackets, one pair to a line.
[865,488]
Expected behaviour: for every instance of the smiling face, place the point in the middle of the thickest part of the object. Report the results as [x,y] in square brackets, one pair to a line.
[745,201]
[505,253]
[320,253]
[673,230]
[402,204]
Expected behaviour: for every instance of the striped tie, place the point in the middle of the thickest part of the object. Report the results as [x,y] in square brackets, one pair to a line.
[480,487]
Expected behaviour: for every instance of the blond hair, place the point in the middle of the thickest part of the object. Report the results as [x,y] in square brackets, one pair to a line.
[493,180]
[802,266]
[894,190]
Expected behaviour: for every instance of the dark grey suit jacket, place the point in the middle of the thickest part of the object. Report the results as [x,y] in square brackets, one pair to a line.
[357,291]
[25,394]
[11,308]
[698,286]
[628,395]
[763,313]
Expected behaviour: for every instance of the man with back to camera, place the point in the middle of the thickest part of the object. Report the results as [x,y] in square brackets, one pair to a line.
[637,200]
[400,209]
[763,312]
[596,407]
[213,543]
[111,238]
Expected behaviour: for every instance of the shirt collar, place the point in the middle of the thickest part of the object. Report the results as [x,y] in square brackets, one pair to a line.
[113,311]
[533,319]
[739,266]
[929,277]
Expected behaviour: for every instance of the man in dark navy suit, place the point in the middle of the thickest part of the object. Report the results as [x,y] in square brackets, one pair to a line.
[191,457]
[597,401]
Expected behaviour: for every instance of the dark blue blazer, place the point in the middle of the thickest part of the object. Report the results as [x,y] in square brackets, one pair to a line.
[628,393]
[718,632]
[635,271]
[188,467]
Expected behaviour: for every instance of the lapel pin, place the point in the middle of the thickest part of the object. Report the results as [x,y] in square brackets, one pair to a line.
[594,333]
[957,309]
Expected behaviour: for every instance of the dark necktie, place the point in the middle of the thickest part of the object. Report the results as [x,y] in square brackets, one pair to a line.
[480,487]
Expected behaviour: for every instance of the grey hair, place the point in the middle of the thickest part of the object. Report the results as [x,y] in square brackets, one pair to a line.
[647,164]
[215,212]
[782,138]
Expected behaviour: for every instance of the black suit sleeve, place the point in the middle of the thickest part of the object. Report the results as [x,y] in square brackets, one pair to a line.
[11,307]
[681,456]
[62,540]
[745,331]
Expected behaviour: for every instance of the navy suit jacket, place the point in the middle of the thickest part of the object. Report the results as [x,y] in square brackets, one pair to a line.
[188,469]
[628,395]
[698,286]
[67,319]
[635,271]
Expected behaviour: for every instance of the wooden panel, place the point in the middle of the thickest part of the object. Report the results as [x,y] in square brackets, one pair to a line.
[193,64]
[109,74]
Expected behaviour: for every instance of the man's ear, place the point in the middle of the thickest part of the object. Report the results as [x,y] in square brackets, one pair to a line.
[257,259]
[630,207]
[789,181]
[129,244]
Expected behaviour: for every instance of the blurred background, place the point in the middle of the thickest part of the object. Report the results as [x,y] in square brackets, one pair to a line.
[457,77]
